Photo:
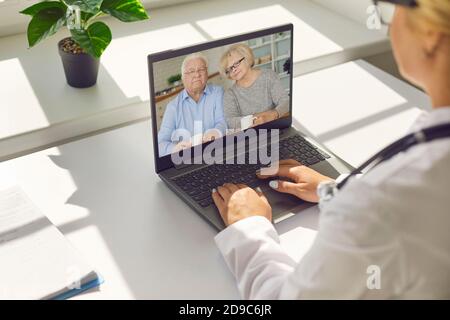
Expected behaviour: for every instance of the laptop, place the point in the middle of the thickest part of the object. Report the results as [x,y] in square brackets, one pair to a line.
[191,165]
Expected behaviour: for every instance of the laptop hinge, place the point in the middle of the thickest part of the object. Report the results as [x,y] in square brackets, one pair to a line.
[181,166]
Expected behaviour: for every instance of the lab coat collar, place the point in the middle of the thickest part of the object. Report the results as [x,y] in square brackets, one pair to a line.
[432,118]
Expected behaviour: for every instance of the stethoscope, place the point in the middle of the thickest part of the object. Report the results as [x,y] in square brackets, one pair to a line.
[328,190]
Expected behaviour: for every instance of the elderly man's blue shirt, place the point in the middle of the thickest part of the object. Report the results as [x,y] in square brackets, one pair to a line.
[182,112]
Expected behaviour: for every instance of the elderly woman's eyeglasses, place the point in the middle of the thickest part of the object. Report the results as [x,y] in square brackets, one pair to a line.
[234,66]
[385,9]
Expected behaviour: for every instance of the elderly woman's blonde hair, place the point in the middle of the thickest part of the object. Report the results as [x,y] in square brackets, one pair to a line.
[431,14]
[241,49]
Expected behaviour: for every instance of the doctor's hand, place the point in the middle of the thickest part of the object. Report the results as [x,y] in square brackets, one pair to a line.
[304,180]
[237,202]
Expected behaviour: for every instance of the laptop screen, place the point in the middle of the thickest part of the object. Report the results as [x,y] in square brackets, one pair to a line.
[227,86]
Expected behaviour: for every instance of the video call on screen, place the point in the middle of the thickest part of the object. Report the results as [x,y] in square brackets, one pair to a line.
[206,95]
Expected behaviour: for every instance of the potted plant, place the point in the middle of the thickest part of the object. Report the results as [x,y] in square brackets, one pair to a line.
[174,80]
[81,52]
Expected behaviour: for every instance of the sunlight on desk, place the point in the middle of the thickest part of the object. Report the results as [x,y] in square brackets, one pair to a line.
[18,92]
[266,17]
[366,97]
[115,284]
[50,189]
[385,132]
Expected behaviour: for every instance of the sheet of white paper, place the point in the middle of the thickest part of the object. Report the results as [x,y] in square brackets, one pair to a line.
[36,261]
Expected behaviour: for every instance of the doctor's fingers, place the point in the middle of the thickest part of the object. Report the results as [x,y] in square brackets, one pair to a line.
[224,193]
[257,190]
[242,186]
[231,187]
[282,171]
[226,190]
[291,162]
[286,187]
[261,195]
[218,200]
[302,190]
[286,162]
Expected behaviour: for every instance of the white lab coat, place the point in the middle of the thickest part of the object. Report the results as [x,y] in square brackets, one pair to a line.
[395,218]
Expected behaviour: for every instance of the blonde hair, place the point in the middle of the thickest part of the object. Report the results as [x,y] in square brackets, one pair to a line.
[431,14]
[241,49]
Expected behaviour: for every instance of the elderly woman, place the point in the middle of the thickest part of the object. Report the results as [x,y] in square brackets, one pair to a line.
[254,92]
[198,109]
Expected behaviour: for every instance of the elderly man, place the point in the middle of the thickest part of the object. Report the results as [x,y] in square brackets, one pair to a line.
[197,110]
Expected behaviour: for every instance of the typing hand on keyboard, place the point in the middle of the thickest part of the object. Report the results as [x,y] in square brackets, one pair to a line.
[199,183]
[304,180]
[237,201]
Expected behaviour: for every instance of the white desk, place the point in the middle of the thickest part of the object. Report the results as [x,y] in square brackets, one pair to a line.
[103,194]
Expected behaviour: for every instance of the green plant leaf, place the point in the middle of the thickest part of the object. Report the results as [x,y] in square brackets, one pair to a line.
[125,10]
[85,16]
[32,10]
[94,40]
[45,23]
[174,78]
[92,6]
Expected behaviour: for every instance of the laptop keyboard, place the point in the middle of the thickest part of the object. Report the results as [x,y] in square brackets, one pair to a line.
[198,184]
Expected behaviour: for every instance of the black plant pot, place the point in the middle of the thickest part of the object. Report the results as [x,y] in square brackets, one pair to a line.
[81,69]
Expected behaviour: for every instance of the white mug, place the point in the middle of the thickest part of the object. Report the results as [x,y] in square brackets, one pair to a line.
[197,139]
[247,121]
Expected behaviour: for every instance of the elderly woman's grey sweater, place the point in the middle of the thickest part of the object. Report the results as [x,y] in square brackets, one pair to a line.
[266,93]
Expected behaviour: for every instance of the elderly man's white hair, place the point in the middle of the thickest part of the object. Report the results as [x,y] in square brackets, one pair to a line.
[190,57]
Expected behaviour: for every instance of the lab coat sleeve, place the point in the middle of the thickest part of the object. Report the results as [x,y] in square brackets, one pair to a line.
[252,250]
[355,237]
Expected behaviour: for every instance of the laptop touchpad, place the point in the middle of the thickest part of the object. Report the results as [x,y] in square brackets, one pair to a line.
[283,205]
